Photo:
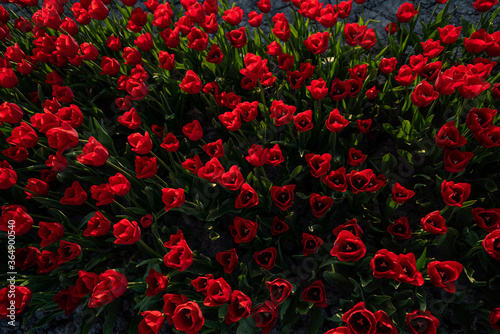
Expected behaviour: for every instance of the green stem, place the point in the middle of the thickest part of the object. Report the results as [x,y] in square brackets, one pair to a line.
[429,113]
[334,134]
[243,135]
[207,101]
[165,184]
[263,171]
[136,283]
[180,157]
[162,162]
[444,210]
[92,206]
[44,146]
[290,132]
[41,217]
[479,24]
[459,113]
[23,189]
[317,111]
[149,249]
[19,8]
[433,13]
[261,89]
[123,208]
[269,21]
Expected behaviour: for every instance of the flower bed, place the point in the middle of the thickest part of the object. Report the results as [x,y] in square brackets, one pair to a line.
[223,179]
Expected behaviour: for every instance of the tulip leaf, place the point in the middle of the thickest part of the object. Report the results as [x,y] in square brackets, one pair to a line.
[337,280]
[422,260]
[150,261]
[284,307]
[491,186]
[421,297]
[378,299]
[494,14]
[463,316]
[296,171]
[315,319]
[245,326]
[103,136]
[134,325]
[209,66]
[112,311]
[223,311]
[290,316]
[468,203]
[389,162]
[226,207]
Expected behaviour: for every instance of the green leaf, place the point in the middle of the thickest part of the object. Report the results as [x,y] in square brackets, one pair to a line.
[302,195]
[267,184]
[422,260]
[223,311]
[89,319]
[442,13]
[209,66]
[406,127]
[150,261]
[103,136]
[378,299]
[290,316]
[226,207]
[112,312]
[294,32]
[389,162]
[199,268]
[424,27]
[44,321]
[403,298]
[337,280]
[403,47]
[391,206]
[463,316]
[389,128]
[490,185]
[468,203]
[41,95]
[494,283]
[421,297]
[214,235]
[296,171]
[245,326]
[256,40]
[134,325]
[381,53]
[284,307]
[419,122]
[302,307]
[151,194]
[93,262]
[315,319]
[405,154]
[467,26]
[335,318]
[494,14]
[86,219]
